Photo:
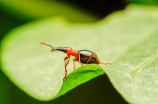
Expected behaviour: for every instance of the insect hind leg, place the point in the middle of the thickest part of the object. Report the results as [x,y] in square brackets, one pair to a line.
[90,57]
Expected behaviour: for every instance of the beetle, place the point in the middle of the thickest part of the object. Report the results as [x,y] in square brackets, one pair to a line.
[82,56]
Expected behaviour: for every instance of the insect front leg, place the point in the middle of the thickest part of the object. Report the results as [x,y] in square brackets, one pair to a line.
[66,60]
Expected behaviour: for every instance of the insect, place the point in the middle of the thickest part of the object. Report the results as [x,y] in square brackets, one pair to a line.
[82,56]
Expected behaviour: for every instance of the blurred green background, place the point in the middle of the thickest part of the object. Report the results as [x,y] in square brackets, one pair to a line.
[15,13]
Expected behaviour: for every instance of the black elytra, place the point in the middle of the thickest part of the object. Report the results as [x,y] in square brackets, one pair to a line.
[84,56]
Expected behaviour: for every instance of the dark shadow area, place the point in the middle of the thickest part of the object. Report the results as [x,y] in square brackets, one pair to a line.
[97,91]
[4,88]
[100,8]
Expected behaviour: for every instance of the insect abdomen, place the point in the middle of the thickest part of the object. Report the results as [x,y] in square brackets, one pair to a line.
[84,56]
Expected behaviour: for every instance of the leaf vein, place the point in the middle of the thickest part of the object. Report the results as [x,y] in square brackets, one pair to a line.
[143,64]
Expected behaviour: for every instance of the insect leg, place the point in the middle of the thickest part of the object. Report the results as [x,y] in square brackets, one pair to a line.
[99,61]
[66,62]
[79,60]
[74,62]
[89,58]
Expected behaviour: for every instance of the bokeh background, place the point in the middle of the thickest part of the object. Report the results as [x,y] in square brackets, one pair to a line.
[14,13]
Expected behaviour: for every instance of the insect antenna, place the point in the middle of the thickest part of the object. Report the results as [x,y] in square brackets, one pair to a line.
[46,44]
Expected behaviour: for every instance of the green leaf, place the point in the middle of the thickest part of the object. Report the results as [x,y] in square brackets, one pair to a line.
[136,72]
[147,2]
[37,9]
[125,38]
[79,76]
